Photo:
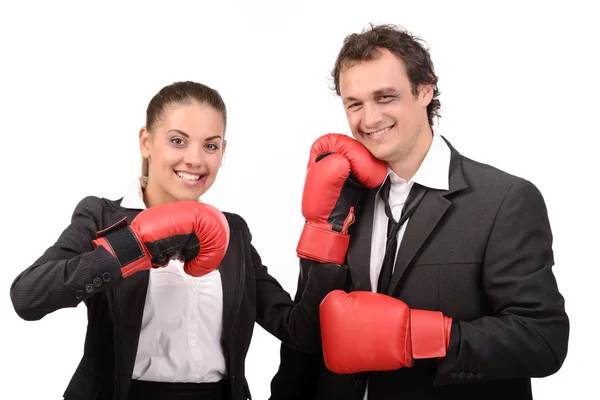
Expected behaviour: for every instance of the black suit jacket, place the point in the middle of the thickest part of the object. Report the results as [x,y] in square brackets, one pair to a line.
[480,252]
[71,271]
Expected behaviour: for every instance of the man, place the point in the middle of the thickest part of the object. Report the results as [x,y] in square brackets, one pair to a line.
[464,303]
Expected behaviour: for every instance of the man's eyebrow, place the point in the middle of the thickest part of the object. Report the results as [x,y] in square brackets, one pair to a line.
[386,91]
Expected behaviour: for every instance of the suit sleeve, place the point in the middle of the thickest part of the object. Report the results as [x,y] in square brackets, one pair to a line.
[527,335]
[298,375]
[70,271]
[296,324]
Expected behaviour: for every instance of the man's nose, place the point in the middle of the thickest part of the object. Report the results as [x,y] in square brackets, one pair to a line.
[371,116]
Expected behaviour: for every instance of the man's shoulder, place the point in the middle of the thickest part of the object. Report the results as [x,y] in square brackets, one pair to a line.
[492,182]
[483,174]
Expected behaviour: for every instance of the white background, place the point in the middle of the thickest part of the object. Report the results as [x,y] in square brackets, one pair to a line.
[519,91]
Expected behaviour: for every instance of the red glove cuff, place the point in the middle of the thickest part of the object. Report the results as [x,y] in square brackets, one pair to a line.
[122,244]
[325,246]
[430,334]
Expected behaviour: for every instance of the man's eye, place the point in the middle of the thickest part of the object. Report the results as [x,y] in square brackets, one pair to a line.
[212,146]
[177,141]
[387,99]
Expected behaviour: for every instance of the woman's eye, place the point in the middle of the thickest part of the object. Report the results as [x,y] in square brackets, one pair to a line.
[212,146]
[177,141]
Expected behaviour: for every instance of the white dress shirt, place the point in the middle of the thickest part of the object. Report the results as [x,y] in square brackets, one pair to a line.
[432,173]
[180,339]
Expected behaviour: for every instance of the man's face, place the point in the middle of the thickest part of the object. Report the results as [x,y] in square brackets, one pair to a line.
[383,113]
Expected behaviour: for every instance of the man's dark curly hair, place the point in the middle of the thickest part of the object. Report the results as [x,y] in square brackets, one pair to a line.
[410,49]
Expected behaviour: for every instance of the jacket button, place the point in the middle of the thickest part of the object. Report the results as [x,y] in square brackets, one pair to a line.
[89,288]
[97,282]
[479,375]
[106,277]
[454,375]
[461,375]
[470,375]
[79,294]
[358,384]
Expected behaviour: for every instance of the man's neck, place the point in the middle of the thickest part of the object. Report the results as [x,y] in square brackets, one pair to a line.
[408,164]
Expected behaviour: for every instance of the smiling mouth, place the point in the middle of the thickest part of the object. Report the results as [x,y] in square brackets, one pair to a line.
[186,176]
[379,132]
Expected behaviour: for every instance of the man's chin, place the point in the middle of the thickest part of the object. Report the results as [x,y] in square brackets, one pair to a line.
[380,152]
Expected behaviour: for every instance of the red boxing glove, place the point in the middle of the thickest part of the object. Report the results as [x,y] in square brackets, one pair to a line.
[365,331]
[193,232]
[340,169]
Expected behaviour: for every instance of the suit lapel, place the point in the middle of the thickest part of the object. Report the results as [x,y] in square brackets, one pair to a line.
[232,279]
[130,297]
[422,223]
[359,251]
[127,303]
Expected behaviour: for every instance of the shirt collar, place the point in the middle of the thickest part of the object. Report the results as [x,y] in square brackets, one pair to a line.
[134,196]
[434,171]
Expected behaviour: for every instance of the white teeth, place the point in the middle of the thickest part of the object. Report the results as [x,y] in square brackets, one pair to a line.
[187,177]
[381,132]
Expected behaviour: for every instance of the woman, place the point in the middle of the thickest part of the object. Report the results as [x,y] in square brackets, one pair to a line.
[163,321]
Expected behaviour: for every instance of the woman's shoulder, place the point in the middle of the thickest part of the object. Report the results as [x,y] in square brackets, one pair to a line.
[96,206]
[235,221]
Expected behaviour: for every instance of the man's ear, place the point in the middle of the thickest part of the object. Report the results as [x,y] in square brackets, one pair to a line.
[425,94]
[144,136]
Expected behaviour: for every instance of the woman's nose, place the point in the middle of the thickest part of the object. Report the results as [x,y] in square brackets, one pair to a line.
[193,159]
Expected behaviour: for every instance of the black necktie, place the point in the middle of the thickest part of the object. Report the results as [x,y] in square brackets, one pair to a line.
[414,198]
[385,276]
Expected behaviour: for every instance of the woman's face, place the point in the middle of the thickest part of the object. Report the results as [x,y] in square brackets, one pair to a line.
[184,152]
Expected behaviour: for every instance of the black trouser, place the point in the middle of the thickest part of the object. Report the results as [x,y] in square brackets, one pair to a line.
[145,390]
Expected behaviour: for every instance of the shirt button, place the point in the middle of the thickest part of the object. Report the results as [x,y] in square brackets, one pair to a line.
[197,366]
[192,316]
[192,290]
[193,342]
